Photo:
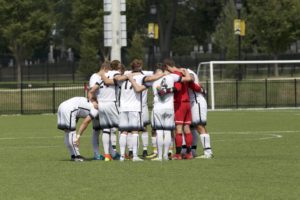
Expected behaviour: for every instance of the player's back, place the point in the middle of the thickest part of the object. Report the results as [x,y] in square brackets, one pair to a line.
[94,80]
[181,95]
[193,94]
[166,82]
[108,93]
[130,100]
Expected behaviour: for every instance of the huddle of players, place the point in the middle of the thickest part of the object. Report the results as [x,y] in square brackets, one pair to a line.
[120,97]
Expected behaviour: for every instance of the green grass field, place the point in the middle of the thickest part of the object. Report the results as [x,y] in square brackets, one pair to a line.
[257,156]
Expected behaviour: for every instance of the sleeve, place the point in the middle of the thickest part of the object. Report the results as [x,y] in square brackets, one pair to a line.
[195,87]
[176,77]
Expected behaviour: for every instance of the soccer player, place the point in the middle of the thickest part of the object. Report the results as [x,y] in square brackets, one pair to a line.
[68,113]
[183,116]
[108,111]
[130,118]
[94,79]
[199,118]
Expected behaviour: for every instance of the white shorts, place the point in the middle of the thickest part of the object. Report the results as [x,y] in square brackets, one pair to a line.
[130,121]
[199,111]
[145,113]
[66,117]
[163,119]
[108,115]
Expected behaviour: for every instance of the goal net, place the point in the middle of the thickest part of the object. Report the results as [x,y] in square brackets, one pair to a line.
[258,92]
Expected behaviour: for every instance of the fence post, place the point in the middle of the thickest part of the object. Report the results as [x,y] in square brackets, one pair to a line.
[47,72]
[53,98]
[207,92]
[295,81]
[266,90]
[21,95]
[237,93]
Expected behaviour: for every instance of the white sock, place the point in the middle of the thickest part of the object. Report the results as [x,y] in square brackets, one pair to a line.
[95,142]
[106,140]
[113,138]
[122,141]
[69,147]
[205,141]
[129,141]
[195,135]
[154,145]
[167,143]
[160,142]
[69,140]
[135,144]
[145,139]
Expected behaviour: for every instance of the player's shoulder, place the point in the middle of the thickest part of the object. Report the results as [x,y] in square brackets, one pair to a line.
[147,73]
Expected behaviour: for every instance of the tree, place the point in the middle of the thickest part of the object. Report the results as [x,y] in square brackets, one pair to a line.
[24,24]
[273,25]
[224,37]
[137,47]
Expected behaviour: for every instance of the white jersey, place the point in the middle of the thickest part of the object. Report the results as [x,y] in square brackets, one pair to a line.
[71,109]
[167,82]
[95,80]
[108,93]
[129,99]
[145,92]
[194,96]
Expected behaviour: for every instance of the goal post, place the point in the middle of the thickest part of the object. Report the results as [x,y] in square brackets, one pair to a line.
[250,62]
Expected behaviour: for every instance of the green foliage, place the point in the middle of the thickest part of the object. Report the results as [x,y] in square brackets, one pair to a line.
[224,37]
[24,24]
[185,49]
[137,47]
[273,24]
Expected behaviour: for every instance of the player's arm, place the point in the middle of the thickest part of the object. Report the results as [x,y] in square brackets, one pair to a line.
[138,88]
[82,128]
[91,95]
[153,77]
[186,76]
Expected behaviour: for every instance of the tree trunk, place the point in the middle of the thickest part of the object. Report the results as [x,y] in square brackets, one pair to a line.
[165,29]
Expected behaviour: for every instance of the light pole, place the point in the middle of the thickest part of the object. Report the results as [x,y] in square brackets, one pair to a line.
[152,35]
[239,5]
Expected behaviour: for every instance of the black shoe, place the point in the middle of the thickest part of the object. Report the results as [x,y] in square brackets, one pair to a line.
[79,158]
[72,157]
[145,153]
[130,154]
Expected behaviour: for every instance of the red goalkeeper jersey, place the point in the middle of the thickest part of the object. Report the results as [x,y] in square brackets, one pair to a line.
[182,92]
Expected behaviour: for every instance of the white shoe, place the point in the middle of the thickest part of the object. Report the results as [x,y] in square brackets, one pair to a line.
[156,159]
[137,159]
[166,158]
[122,158]
[205,156]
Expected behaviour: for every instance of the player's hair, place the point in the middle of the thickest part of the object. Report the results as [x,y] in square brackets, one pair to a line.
[136,65]
[122,68]
[115,64]
[160,66]
[169,62]
[105,65]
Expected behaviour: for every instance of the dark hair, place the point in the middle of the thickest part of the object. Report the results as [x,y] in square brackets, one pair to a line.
[136,65]
[115,64]
[169,61]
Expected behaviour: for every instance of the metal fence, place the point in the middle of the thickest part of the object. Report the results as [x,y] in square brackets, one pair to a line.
[45,98]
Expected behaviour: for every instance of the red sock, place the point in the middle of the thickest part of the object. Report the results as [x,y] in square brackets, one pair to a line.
[178,139]
[188,139]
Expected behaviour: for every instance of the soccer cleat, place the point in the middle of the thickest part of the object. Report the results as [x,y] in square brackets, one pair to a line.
[79,158]
[153,155]
[145,153]
[205,156]
[177,157]
[156,159]
[137,159]
[116,156]
[189,156]
[107,157]
[122,158]
[169,156]
[99,157]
